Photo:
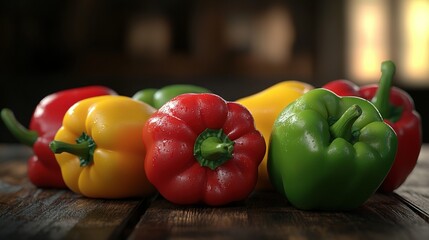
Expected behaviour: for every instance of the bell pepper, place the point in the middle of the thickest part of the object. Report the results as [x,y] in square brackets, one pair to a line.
[265,106]
[99,147]
[202,149]
[397,108]
[158,97]
[328,152]
[43,170]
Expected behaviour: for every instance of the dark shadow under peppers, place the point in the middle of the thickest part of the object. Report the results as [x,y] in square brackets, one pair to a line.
[397,108]
[43,169]
[202,149]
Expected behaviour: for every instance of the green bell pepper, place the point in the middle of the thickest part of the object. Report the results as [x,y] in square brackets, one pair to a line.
[329,152]
[158,97]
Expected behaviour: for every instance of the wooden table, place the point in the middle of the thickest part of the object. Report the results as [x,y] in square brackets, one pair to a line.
[27,212]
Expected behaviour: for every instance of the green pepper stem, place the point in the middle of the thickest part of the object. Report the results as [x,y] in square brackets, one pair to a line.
[342,128]
[381,97]
[213,148]
[23,134]
[84,148]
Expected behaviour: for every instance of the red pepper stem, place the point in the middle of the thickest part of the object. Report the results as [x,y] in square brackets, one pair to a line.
[84,148]
[213,148]
[342,128]
[24,135]
[381,97]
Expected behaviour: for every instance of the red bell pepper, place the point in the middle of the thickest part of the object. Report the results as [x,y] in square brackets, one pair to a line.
[43,169]
[397,108]
[202,149]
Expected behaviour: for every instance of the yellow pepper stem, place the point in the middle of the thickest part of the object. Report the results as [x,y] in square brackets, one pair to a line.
[84,148]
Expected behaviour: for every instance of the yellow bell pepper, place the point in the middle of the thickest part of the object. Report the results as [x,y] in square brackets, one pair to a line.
[100,149]
[265,106]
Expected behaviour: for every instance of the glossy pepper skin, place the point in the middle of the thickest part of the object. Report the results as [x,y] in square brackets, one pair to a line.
[158,97]
[397,108]
[100,150]
[265,106]
[328,152]
[202,149]
[43,169]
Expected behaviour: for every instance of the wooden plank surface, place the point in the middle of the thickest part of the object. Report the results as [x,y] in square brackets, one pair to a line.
[266,215]
[27,212]
[415,190]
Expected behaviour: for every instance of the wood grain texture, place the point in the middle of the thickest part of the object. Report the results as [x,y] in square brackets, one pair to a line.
[28,212]
[267,215]
[415,190]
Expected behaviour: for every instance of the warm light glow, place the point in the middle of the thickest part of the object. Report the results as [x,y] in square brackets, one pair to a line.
[149,36]
[414,51]
[273,35]
[367,38]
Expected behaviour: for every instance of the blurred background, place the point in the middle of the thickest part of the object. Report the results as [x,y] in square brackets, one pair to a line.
[234,48]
